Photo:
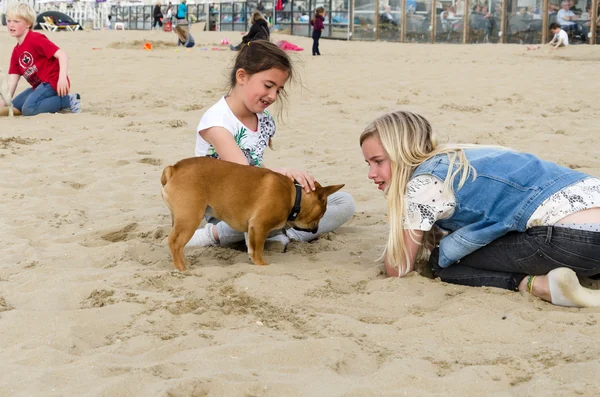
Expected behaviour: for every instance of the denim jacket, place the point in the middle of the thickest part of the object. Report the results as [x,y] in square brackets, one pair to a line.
[508,188]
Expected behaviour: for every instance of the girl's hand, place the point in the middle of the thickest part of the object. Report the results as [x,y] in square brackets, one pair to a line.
[302,177]
[62,86]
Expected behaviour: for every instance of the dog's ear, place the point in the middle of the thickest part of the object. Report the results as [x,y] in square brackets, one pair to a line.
[329,190]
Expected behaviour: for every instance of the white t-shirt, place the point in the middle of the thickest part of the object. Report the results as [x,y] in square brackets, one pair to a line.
[561,35]
[561,14]
[252,143]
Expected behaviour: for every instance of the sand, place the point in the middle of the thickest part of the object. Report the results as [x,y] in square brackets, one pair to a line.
[90,303]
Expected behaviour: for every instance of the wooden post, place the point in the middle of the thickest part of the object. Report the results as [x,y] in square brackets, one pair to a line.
[329,14]
[403,21]
[351,20]
[466,24]
[593,24]
[376,19]
[433,19]
[503,21]
[545,18]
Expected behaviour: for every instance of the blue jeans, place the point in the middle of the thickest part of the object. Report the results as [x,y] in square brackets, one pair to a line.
[506,261]
[42,99]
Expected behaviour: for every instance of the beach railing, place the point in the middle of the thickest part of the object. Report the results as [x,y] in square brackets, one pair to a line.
[422,21]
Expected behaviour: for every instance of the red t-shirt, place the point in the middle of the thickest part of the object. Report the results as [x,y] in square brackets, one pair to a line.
[34,60]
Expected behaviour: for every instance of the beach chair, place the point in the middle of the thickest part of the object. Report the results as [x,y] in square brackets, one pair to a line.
[50,26]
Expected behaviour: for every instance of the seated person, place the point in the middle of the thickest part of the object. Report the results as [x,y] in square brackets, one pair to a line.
[258,31]
[184,37]
[387,17]
[566,19]
[445,23]
[560,39]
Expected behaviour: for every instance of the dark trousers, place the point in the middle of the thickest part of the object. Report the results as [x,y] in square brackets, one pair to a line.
[157,21]
[316,35]
[506,261]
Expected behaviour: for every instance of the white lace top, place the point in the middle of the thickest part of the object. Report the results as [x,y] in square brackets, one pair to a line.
[426,202]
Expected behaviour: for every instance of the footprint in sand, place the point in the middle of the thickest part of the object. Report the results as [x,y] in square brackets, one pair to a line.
[150,160]
[176,123]
[75,185]
[4,306]
[99,298]
[122,234]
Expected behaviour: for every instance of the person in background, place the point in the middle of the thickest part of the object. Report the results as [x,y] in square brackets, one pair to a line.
[184,36]
[259,30]
[317,22]
[41,63]
[158,16]
[182,12]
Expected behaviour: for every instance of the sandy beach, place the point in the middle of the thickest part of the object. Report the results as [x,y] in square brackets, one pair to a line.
[91,305]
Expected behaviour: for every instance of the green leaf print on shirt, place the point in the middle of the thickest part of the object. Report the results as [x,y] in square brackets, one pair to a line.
[239,137]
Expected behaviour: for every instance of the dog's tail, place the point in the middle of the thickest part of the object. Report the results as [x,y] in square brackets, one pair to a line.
[166,174]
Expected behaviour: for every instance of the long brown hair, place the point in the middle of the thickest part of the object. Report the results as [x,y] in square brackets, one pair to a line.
[318,11]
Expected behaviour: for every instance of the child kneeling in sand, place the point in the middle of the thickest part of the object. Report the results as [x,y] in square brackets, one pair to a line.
[506,219]
[560,39]
[43,65]
[184,37]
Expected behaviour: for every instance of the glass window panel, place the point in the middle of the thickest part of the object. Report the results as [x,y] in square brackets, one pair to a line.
[364,20]
[340,23]
[226,16]
[523,21]
[301,15]
[418,21]
[390,20]
[449,24]
[239,17]
[213,11]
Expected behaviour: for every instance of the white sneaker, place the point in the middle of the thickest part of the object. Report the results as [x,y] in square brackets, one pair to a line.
[75,103]
[277,243]
[203,237]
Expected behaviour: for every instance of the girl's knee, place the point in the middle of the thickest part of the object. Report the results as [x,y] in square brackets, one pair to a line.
[28,110]
[343,203]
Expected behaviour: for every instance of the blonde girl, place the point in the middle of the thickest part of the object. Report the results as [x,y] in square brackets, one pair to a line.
[489,216]
[184,36]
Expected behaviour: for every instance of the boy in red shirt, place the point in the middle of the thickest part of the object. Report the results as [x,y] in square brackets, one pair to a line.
[43,65]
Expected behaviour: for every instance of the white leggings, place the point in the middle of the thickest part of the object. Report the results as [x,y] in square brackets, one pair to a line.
[340,208]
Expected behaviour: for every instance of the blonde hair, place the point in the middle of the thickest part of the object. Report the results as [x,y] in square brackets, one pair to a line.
[22,11]
[408,141]
[181,32]
[256,15]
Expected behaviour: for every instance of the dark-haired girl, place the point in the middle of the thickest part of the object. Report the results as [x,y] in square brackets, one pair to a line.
[238,128]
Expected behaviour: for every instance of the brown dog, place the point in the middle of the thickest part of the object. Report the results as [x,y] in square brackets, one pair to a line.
[249,199]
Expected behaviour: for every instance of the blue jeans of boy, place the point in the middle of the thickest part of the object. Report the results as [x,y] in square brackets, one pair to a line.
[42,99]
[507,260]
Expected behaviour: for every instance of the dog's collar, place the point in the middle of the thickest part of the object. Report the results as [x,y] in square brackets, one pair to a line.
[296,209]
